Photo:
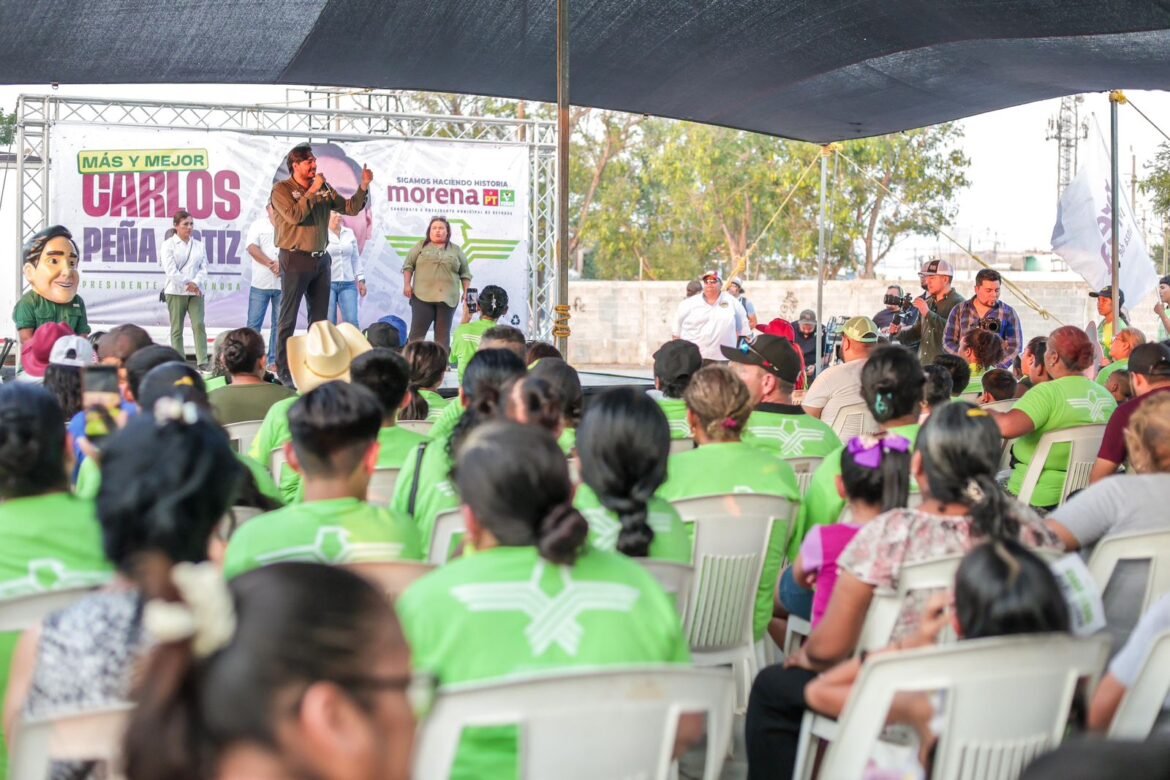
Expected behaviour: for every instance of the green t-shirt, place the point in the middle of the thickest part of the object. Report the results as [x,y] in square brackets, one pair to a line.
[435,404]
[448,418]
[337,531]
[89,479]
[790,433]
[675,410]
[822,503]
[738,467]
[241,403]
[506,612]
[49,542]
[33,311]
[436,491]
[216,382]
[671,541]
[1054,406]
[398,444]
[274,432]
[465,343]
[1117,365]
[567,441]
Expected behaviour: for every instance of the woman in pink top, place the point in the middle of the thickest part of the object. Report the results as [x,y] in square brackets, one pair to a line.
[875,478]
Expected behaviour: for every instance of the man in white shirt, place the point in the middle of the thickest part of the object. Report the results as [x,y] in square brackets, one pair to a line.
[184,262]
[710,320]
[840,385]
[264,289]
[348,271]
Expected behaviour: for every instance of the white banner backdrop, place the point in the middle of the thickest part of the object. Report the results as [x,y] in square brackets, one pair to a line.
[117,189]
[1082,234]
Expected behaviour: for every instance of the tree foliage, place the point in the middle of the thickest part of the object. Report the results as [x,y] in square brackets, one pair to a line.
[1157,183]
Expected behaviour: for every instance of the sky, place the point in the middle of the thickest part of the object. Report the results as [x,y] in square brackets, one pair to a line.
[1011,201]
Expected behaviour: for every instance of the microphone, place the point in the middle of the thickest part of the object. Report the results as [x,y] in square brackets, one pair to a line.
[326,190]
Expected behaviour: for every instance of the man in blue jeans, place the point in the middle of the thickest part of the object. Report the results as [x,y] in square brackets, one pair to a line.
[264,293]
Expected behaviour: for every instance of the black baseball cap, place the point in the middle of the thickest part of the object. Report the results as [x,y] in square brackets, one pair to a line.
[772,353]
[1107,292]
[675,360]
[1150,360]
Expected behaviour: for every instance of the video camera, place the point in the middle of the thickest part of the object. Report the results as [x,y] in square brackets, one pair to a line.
[904,304]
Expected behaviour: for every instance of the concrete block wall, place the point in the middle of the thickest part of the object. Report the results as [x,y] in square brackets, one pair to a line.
[623,323]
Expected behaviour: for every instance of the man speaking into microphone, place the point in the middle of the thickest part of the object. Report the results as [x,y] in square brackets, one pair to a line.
[302,204]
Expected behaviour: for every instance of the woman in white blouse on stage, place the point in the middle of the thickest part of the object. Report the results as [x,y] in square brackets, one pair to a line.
[184,261]
[348,274]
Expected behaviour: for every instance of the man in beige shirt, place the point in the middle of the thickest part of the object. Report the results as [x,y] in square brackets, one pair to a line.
[302,204]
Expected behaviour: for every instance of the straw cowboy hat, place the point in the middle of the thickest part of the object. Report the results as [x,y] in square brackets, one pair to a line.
[324,354]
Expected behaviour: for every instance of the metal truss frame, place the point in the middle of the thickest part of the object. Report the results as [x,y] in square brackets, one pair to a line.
[37,113]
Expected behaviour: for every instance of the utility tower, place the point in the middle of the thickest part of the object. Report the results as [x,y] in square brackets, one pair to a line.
[1067,129]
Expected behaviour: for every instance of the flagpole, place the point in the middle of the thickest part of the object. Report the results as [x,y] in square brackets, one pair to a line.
[560,329]
[821,263]
[1115,98]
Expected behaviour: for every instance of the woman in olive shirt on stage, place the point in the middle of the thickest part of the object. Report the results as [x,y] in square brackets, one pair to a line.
[439,271]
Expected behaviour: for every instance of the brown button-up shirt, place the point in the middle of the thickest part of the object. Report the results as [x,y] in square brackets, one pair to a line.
[302,221]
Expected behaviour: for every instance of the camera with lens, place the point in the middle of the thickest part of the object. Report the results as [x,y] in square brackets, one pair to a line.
[903,302]
[988,324]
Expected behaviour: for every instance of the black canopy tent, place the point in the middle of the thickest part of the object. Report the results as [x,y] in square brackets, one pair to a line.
[813,70]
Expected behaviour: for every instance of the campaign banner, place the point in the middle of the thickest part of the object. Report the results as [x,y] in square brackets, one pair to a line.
[117,189]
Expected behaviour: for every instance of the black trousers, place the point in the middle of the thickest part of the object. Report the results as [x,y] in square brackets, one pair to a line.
[301,276]
[775,709]
[423,313]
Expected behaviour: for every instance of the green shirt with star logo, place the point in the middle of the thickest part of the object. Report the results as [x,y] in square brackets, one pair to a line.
[336,531]
[790,433]
[738,467]
[675,410]
[47,543]
[506,612]
[671,541]
[1054,406]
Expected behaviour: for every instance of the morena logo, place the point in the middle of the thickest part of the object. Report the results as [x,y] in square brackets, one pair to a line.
[451,196]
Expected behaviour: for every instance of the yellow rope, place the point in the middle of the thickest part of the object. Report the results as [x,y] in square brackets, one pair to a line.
[561,323]
[1023,296]
[741,264]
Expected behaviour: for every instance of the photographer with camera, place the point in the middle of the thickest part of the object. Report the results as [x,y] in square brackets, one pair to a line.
[933,310]
[892,313]
[987,312]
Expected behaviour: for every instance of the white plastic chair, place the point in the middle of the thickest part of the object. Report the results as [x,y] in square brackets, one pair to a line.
[1006,701]
[1000,406]
[854,420]
[1084,442]
[1142,702]
[1152,546]
[85,736]
[674,577]
[277,460]
[417,426]
[241,434]
[381,489]
[731,540]
[393,577]
[804,468]
[23,612]
[583,725]
[681,445]
[447,525]
[886,605]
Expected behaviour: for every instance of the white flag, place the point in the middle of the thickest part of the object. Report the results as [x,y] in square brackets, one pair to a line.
[1083,232]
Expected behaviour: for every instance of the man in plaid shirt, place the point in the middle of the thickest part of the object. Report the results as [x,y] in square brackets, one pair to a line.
[981,310]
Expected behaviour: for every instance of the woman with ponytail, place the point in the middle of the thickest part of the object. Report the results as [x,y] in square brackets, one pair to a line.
[623,444]
[428,365]
[718,406]
[493,304]
[167,479]
[469,621]
[954,464]
[424,488]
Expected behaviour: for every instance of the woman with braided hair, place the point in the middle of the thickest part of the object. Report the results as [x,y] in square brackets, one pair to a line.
[623,444]
[718,406]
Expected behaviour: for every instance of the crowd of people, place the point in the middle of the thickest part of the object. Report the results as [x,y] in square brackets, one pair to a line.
[230,597]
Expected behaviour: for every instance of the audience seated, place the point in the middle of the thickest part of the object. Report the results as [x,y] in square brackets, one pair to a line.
[936,390]
[1120,386]
[248,396]
[675,363]
[623,444]
[383,335]
[718,407]
[428,364]
[770,367]
[1032,365]
[983,351]
[998,385]
[386,374]
[959,369]
[567,384]
[1122,348]
[1067,401]
[539,350]
[1124,668]
[70,355]
[954,463]
[167,478]
[840,385]
[468,620]
[425,488]
[1150,372]
[334,448]
[498,337]
[310,679]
